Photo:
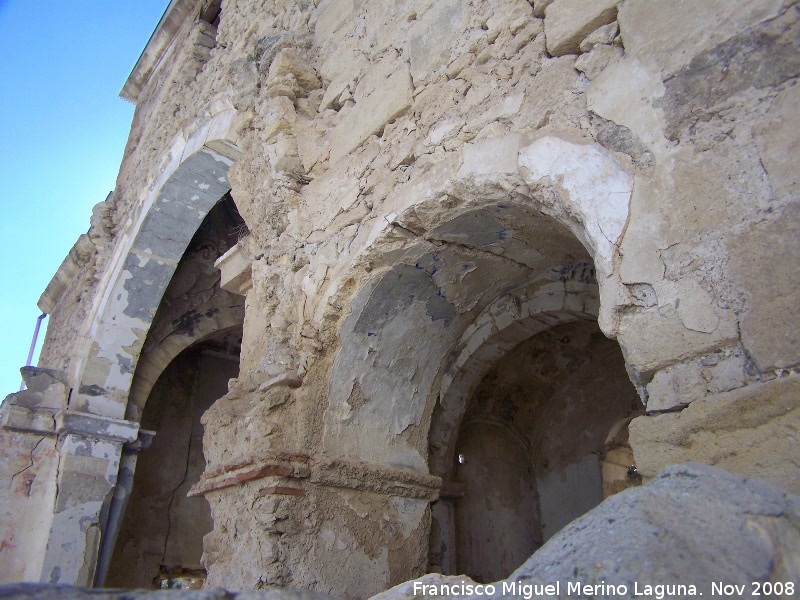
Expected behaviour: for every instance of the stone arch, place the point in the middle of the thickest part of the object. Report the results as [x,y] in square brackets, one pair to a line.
[506,323]
[152,365]
[195,305]
[576,183]
[495,217]
[145,259]
[512,208]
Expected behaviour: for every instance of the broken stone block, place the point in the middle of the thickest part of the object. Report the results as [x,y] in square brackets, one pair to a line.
[371,114]
[675,386]
[44,388]
[568,22]
[728,374]
[288,61]
[601,55]
[601,35]
[749,431]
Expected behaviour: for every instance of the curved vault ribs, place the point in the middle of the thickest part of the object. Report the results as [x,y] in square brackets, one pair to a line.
[145,260]
[506,323]
[508,197]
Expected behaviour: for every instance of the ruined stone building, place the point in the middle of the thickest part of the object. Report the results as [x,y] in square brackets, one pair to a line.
[389,287]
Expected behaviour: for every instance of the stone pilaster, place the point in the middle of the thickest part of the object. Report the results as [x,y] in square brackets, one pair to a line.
[90,449]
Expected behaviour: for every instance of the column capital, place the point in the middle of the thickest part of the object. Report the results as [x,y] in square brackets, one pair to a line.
[88,425]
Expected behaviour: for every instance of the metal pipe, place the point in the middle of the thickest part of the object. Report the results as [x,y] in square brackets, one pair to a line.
[116,511]
[119,502]
[33,345]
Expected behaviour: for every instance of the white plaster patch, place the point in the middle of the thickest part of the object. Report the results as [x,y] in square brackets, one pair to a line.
[219,158]
[599,189]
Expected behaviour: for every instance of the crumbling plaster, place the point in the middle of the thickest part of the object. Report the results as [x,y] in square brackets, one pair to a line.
[376,148]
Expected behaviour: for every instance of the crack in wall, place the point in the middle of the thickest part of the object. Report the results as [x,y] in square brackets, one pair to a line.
[469,249]
[180,484]
[30,456]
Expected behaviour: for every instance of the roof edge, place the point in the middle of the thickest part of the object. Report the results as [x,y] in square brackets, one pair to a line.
[158,44]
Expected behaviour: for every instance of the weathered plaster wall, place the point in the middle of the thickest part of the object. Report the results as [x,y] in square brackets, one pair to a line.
[375,148]
[28,469]
[497,520]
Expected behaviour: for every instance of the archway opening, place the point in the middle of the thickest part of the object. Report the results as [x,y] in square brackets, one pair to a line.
[191,352]
[530,446]
[434,331]
[160,542]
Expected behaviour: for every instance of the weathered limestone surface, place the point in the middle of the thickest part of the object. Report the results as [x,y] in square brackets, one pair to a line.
[693,524]
[568,22]
[424,186]
[750,431]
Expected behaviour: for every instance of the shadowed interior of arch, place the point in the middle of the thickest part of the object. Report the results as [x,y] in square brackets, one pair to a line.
[482,342]
[160,542]
[529,449]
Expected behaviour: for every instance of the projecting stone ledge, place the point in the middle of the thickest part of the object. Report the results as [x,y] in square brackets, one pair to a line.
[236,267]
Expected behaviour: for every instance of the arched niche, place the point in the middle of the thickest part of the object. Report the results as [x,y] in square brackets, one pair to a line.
[561,392]
[507,240]
[412,323]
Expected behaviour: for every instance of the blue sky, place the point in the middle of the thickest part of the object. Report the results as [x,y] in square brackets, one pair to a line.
[63,128]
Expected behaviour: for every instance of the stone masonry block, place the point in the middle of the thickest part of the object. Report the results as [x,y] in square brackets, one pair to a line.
[671,387]
[667,340]
[493,155]
[167,229]
[764,265]
[202,191]
[369,116]
[568,22]
[750,431]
